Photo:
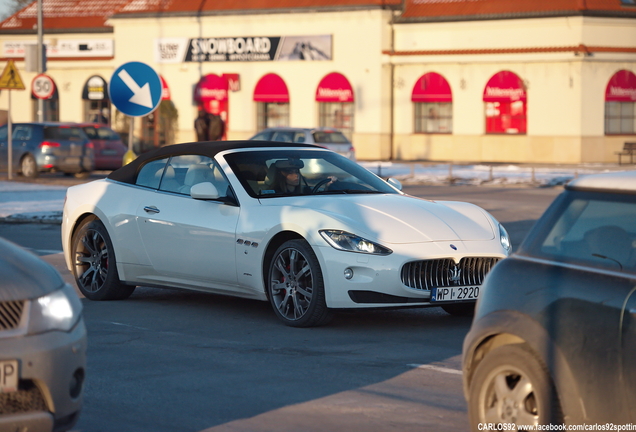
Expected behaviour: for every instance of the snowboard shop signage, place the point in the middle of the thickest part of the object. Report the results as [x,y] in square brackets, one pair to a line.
[243,49]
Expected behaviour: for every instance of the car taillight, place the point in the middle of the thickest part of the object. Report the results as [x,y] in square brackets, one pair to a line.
[49,144]
[352,149]
[90,145]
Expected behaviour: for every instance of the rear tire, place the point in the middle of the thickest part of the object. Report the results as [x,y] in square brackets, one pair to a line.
[511,385]
[94,263]
[460,309]
[295,286]
[28,166]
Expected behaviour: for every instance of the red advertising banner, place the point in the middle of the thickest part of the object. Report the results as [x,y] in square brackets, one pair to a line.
[211,95]
[505,86]
[431,87]
[334,88]
[621,87]
[271,88]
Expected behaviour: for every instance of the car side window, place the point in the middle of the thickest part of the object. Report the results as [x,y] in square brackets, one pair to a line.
[183,172]
[283,136]
[4,133]
[299,137]
[600,233]
[150,174]
[263,136]
[22,133]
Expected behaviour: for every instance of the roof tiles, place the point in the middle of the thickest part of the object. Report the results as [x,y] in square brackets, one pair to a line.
[505,8]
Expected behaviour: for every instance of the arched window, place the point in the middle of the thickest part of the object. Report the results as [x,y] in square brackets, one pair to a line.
[505,103]
[620,104]
[50,107]
[433,104]
[272,102]
[335,103]
[95,100]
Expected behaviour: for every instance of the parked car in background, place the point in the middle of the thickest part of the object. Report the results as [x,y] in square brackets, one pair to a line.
[50,146]
[329,138]
[297,225]
[554,334]
[42,345]
[107,145]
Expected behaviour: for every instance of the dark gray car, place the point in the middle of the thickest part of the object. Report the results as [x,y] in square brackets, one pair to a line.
[39,147]
[42,345]
[553,339]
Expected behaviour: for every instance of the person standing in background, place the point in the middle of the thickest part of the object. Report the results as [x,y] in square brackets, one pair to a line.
[201,125]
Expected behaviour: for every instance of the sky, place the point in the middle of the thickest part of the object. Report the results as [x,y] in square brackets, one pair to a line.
[4,8]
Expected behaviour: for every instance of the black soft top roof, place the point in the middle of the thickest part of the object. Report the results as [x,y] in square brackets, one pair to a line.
[128,173]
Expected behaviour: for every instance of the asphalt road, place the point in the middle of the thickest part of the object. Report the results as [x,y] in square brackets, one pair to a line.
[169,360]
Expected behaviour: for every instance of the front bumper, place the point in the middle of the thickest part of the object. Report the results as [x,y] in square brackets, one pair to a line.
[52,368]
[376,277]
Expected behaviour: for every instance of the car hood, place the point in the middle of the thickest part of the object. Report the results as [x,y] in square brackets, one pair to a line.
[24,275]
[401,218]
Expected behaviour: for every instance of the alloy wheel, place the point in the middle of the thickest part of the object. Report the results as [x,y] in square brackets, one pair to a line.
[291,283]
[91,261]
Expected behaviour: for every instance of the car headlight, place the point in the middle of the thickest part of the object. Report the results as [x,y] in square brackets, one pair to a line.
[59,310]
[345,241]
[504,238]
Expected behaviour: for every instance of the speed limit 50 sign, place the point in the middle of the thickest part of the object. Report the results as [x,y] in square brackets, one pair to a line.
[42,86]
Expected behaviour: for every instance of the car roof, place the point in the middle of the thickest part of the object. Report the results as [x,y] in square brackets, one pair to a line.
[620,181]
[128,173]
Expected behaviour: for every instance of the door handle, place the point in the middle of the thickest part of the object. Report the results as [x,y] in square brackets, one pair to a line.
[151,209]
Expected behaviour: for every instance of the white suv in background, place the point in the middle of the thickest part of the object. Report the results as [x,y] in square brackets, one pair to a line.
[329,138]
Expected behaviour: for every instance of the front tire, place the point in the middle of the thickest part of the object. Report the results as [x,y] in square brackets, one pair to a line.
[94,264]
[295,286]
[28,166]
[511,385]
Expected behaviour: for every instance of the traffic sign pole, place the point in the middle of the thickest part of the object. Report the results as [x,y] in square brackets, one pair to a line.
[135,89]
[10,149]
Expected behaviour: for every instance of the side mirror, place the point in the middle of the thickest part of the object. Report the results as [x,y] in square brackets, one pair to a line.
[204,191]
[395,183]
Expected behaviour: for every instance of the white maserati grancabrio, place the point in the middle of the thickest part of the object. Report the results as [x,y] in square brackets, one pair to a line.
[298,225]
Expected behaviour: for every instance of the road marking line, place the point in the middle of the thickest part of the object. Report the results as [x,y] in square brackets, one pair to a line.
[437,368]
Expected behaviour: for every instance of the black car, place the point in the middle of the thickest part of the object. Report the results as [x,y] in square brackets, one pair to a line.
[48,146]
[553,339]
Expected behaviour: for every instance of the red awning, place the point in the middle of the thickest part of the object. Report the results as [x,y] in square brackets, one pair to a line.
[165,90]
[271,88]
[334,88]
[211,87]
[622,87]
[505,86]
[431,87]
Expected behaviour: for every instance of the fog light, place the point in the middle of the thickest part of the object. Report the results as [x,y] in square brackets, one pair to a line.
[348,273]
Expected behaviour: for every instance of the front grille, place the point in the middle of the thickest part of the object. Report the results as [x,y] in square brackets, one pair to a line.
[28,398]
[10,314]
[440,273]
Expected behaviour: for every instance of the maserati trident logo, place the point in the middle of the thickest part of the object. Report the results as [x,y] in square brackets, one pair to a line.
[455,274]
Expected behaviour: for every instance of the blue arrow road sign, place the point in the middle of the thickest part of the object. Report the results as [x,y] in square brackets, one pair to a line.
[135,89]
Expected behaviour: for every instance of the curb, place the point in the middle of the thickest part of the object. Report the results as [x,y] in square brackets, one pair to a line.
[30,218]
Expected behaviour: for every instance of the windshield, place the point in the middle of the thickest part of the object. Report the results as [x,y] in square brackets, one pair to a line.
[276,173]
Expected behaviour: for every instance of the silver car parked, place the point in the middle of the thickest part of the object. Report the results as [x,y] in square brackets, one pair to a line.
[329,138]
[42,345]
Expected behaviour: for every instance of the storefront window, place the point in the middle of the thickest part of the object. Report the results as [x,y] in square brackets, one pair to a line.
[335,103]
[505,104]
[337,115]
[272,114]
[432,104]
[96,102]
[272,102]
[620,104]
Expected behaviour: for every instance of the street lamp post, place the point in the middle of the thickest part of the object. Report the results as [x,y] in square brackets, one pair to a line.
[40,57]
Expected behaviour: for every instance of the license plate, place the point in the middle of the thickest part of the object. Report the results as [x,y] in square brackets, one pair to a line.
[8,376]
[454,294]
[109,152]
